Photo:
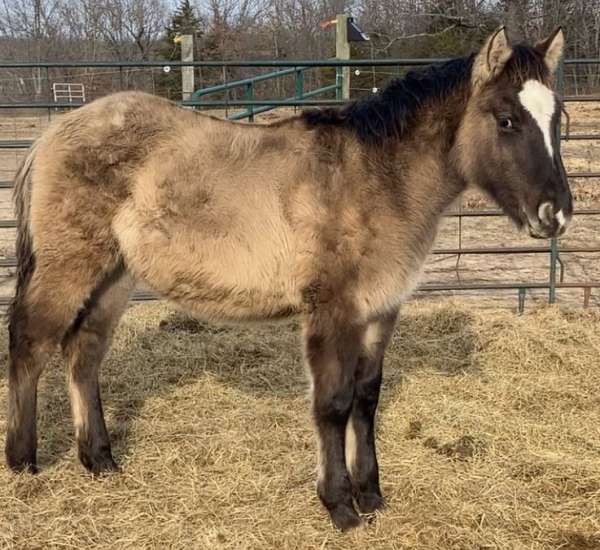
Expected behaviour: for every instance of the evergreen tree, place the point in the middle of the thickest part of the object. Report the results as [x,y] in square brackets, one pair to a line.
[183,21]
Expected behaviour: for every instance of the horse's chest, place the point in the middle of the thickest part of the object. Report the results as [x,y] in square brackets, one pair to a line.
[392,275]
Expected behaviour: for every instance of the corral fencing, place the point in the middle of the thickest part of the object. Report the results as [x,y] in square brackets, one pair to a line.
[303,98]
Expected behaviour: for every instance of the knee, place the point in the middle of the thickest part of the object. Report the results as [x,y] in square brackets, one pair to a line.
[368,389]
[367,393]
[334,407]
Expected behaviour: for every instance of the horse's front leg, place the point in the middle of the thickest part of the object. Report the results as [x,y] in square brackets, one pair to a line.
[332,348]
[361,457]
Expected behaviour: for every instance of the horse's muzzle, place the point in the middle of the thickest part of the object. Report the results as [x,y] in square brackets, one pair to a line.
[547,223]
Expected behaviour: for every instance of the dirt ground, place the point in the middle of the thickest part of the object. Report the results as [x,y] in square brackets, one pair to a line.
[487,436]
[579,156]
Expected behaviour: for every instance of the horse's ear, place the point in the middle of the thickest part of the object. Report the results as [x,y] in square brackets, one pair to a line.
[491,59]
[552,48]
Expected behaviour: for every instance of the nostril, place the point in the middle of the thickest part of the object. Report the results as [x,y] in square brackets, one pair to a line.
[546,213]
[560,218]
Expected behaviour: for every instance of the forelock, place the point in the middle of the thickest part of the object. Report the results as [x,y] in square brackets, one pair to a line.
[526,63]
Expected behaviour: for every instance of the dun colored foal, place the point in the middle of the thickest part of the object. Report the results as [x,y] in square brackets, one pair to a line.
[328,215]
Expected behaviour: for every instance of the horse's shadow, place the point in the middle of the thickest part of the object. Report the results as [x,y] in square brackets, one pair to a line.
[262,361]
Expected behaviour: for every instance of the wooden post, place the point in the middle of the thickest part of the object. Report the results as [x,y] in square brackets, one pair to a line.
[187,73]
[342,51]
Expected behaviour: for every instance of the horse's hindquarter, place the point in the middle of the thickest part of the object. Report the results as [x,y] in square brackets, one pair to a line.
[205,225]
[81,175]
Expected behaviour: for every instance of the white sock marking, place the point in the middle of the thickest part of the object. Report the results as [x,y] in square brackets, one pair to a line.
[351,446]
[540,102]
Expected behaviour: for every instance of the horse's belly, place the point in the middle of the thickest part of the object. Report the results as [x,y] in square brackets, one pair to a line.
[242,273]
[234,281]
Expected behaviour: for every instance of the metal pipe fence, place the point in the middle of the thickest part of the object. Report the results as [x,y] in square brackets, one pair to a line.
[302,99]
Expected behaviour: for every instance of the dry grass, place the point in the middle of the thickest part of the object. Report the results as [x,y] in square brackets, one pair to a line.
[488,438]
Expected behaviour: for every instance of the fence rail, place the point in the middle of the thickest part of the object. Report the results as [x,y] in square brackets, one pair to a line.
[297,67]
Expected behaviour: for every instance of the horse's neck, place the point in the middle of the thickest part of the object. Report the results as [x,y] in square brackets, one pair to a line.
[427,167]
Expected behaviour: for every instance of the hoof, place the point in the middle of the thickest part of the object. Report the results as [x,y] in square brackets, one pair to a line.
[99,465]
[369,502]
[18,466]
[344,517]
[21,461]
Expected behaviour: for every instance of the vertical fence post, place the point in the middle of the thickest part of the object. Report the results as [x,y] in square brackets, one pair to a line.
[554,251]
[587,292]
[50,94]
[342,51]
[299,83]
[249,95]
[187,73]
[522,296]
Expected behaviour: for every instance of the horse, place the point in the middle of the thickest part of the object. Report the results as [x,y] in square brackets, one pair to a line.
[327,215]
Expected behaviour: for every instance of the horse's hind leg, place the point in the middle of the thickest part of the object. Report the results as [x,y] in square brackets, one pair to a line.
[45,305]
[361,457]
[31,345]
[331,349]
[84,347]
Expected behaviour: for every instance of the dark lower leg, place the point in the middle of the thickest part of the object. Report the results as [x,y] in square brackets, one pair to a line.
[333,485]
[93,443]
[21,436]
[28,357]
[361,454]
[360,448]
[332,356]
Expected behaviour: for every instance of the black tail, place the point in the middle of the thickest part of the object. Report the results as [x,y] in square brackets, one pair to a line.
[24,248]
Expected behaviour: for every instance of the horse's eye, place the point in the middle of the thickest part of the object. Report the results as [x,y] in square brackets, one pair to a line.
[505,123]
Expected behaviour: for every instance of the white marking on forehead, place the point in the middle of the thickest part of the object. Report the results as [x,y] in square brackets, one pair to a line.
[540,102]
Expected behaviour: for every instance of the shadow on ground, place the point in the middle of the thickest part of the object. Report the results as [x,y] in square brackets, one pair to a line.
[172,351]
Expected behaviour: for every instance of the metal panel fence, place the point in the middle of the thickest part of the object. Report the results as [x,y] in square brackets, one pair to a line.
[253,106]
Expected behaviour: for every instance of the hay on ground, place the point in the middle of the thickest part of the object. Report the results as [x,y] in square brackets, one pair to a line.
[488,437]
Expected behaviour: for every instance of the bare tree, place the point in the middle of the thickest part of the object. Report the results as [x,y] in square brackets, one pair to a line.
[282,29]
[132,27]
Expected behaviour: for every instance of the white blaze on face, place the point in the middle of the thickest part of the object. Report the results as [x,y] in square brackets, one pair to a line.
[540,102]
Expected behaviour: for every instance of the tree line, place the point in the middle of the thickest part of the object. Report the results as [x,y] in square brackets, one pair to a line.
[137,30]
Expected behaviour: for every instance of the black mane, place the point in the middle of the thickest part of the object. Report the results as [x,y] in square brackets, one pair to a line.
[390,113]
